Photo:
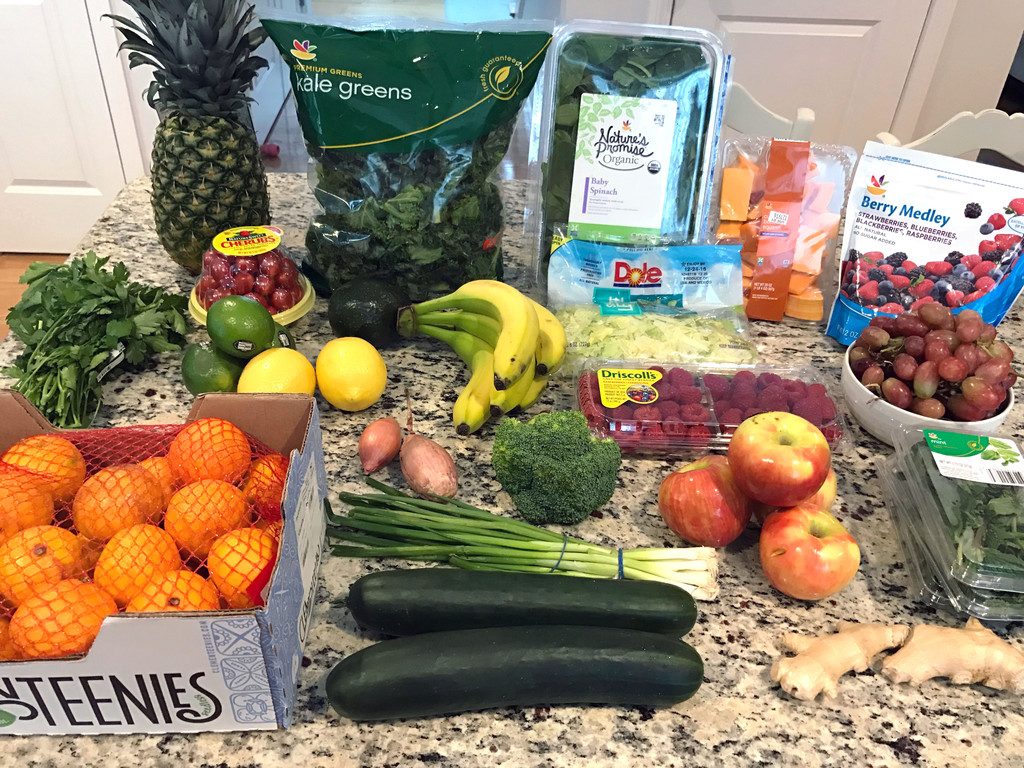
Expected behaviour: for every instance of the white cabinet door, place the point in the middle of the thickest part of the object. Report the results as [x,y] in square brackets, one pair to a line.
[848,60]
[59,160]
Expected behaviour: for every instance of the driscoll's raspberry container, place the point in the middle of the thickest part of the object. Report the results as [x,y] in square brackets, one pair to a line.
[251,262]
[661,409]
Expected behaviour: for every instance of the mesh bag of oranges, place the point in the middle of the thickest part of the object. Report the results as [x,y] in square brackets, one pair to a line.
[144,519]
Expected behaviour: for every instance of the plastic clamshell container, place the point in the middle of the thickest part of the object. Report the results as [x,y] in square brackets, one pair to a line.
[928,582]
[286,317]
[691,408]
[698,122]
[936,500]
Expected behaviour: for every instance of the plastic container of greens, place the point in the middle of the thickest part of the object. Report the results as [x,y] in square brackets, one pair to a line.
[654,96]
[928,582]
[972,509]
[661,409]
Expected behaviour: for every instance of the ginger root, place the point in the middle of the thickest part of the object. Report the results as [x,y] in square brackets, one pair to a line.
[821,661]
[973,654]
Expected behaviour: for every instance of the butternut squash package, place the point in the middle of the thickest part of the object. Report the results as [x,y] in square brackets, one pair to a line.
[782,200]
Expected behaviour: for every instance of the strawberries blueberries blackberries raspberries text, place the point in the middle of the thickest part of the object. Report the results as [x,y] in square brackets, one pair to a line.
[694,409]
[894,283]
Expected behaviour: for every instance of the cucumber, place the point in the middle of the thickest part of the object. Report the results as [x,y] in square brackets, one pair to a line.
[408,602]
[441,673]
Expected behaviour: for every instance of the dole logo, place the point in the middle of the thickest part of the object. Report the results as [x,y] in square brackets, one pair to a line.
[628,276]
[877,186]
[302,50]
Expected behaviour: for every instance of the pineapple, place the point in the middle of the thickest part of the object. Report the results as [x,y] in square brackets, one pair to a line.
[207,173]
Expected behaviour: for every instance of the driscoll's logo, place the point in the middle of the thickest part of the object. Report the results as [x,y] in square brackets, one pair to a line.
[303,50]
[502,76]
[877,186]
[629,276]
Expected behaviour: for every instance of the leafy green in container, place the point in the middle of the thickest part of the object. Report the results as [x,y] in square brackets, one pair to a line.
[683,68]
[406,127]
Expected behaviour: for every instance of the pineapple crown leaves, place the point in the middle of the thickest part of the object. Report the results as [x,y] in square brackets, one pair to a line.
[201,51]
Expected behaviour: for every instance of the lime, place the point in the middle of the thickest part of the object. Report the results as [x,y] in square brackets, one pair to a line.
[366,308]
[283,337]
[278,370]
[206,369]
[240,327]
[350,373]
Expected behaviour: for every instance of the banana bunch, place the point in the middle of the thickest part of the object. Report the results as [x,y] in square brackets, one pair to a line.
[510,343]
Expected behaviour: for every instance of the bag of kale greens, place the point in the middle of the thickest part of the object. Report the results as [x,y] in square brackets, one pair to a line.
[406,127]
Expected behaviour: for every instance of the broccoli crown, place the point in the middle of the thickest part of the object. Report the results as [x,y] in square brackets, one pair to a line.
[553,468]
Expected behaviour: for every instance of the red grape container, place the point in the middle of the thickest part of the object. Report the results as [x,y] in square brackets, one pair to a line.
[660,409]
[251,262]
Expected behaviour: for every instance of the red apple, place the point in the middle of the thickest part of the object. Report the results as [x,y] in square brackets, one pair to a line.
[806,553]
[778,458]
[701,503]
[823,498]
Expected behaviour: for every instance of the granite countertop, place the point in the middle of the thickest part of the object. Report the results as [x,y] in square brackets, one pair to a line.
[737,718]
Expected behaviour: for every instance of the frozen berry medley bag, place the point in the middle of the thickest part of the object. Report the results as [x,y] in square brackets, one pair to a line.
[926,228]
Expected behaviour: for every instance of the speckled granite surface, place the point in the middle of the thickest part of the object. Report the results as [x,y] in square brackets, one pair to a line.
[738,717]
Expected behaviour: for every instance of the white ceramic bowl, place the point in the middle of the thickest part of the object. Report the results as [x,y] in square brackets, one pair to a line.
[883,419]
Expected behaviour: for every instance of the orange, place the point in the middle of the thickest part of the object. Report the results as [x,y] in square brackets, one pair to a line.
[160,468]
[24,503]
[209,449]
[54,458]
[176,591]
[37,558]
[114,499]
[265,485]
[273,527]
[61,620]
[133,558]
[202,511]
[8,651]
[237,559]
[91,550]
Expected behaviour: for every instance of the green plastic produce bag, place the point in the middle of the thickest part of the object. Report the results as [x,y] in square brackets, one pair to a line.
[406,127]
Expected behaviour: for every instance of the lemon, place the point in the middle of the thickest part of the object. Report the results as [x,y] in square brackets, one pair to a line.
[350,373]
[278,370]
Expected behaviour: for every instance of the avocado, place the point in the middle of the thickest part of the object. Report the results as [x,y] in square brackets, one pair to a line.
[366,308]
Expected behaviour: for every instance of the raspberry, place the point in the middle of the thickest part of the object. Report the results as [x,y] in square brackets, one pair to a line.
[694,413]
[653,435]
[716,384]
[674,428]
[892,308]
[833,433]
[624,411]
[997,220]
[699,436]
[680,377]
[1016,205]
[982,269]
[755,411]
[767,378]
[939,268]
[743,397]
[828,409]
[984,283]
[657,368]
[922,289]
[647,413]
[810,409]
[721,406]
[955,299]
[971,259]
[985,246]
[817,392]
[900,282]
[774,402]
[732,417]
[685,395]
[908,265]
[868,291]
[746,377]
[974,296]
[669,409]
[1006,242]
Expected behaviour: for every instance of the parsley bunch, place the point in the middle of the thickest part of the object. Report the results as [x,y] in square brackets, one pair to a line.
[78,321]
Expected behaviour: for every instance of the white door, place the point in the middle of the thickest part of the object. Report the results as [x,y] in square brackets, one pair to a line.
[59,160]
[848,60]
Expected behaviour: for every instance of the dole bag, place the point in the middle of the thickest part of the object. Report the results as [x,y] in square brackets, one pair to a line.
[922,228]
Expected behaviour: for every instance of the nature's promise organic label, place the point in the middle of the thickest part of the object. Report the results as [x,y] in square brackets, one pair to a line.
[391,90]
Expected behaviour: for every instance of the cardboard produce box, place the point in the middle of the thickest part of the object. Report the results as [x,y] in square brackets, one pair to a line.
[199,671]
